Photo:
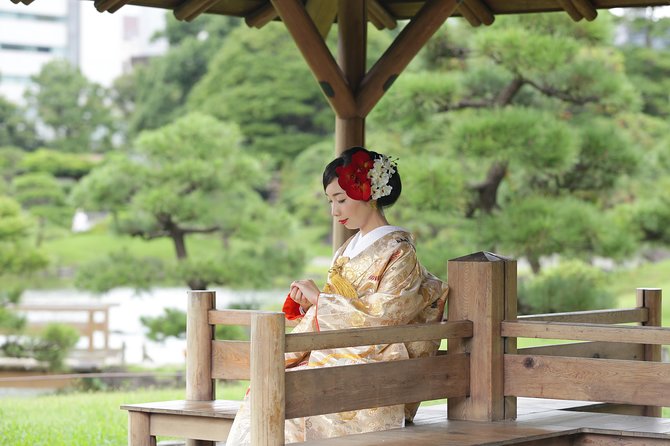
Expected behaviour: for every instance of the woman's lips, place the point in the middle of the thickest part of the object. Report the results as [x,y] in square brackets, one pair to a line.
[344,222]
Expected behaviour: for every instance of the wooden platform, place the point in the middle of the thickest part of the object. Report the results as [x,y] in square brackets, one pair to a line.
[540,421]
[551,422]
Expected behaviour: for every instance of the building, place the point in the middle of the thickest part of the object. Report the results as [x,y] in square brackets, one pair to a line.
[103,46]
[32,36]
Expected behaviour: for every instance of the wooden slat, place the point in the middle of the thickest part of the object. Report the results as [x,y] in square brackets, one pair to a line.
[109,5]
[190,9]
[230,317]
[604,380]
[586,9]
[571,10]
[224,409]
[231,359]
[318,56]
[343,388]
[138,430]
[618,316]
[468,15]
[184,426]
[481,10]
[261,16]
[650,299]
[379,16]
[298,342]
[323,14]
[612,440]
[586,332]
[408,43]
[602,350]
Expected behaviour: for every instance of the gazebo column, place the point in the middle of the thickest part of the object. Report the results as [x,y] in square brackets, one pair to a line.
[351,51]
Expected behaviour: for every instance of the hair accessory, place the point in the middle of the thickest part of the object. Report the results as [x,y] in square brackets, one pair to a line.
[364,178]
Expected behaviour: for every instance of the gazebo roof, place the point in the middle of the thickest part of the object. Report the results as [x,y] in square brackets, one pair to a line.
[381,13]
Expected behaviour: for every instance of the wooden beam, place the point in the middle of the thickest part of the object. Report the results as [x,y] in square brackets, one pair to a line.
[571,10]
[468,15]
[337,389]
[586,332]
[379,16]
[408,43]
[617,316]
[481,10]
[317,55]
[190,9]
[261,17]
[604,380]
[298,342]
[323,13]
[109,5]
[586,9]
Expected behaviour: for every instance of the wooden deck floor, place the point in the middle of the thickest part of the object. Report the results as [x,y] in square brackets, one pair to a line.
[539,422]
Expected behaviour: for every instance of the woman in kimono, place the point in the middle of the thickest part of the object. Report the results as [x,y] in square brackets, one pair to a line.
[375,279]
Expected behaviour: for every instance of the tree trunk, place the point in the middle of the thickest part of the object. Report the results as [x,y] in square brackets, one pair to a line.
[534,262]
[487,191]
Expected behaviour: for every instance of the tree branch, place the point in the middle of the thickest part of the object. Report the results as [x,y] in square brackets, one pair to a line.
[563,95]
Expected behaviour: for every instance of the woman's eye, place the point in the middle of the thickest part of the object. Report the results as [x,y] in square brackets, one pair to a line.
[340,201]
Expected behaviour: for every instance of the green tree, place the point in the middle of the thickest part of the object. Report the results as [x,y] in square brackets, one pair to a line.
[526,122]
[159,192]
[18,259]
[44,197]
[270,94]
[71,108]
[15,128]
[153,95]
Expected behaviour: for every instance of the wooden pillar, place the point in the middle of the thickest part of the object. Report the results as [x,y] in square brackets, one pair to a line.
[199,336]
[351,52]
[267,379]
[483,290]
[650,298]
[91,329]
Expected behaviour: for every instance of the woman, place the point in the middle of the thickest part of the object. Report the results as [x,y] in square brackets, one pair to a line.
[375,279]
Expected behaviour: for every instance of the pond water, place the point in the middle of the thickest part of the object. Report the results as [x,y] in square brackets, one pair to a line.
[124,317]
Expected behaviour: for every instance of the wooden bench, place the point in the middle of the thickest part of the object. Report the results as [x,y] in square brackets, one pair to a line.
[482,373]
[280,394]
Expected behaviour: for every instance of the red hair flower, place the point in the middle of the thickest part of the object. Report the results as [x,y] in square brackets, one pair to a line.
[353,178]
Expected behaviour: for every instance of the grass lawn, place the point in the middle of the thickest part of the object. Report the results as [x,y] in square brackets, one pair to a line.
[81,419]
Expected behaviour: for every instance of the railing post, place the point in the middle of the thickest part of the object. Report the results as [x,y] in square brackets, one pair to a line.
[483,290]
[199,336]
[267,379]
[650,298]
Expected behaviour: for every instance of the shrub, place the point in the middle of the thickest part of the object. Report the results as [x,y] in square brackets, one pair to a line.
[571,286]
[54,344]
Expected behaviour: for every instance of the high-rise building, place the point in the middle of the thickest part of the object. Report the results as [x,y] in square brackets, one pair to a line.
[31,36]
[103,46]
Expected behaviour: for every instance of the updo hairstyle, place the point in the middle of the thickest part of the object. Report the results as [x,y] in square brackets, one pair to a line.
[344,159]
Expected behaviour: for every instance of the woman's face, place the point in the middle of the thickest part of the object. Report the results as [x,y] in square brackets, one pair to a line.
[353,214]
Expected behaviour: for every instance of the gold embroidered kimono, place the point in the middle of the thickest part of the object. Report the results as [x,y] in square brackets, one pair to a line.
[383,285]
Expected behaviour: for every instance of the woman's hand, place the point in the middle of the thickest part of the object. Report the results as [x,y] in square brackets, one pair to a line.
[305,293]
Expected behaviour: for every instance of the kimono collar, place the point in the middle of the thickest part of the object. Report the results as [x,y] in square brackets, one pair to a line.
[360,243]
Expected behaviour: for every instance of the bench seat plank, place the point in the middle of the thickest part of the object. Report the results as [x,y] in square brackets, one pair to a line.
[212,409]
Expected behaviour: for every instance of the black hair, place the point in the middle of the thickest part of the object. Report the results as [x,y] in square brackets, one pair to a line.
[344,159]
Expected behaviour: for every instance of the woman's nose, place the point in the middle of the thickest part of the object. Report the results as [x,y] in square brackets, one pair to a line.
[334,210]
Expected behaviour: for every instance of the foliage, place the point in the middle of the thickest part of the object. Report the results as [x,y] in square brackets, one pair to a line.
[15,128]
[120,268]
[242,85]
[51,346]
[157,192]
[16,256]
[571,286]
[58,164]
[154,95]
[72,108]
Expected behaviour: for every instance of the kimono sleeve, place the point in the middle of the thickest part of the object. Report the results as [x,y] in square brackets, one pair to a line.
[395,301]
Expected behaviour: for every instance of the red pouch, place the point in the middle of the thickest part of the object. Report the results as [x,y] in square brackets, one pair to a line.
[291,309]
